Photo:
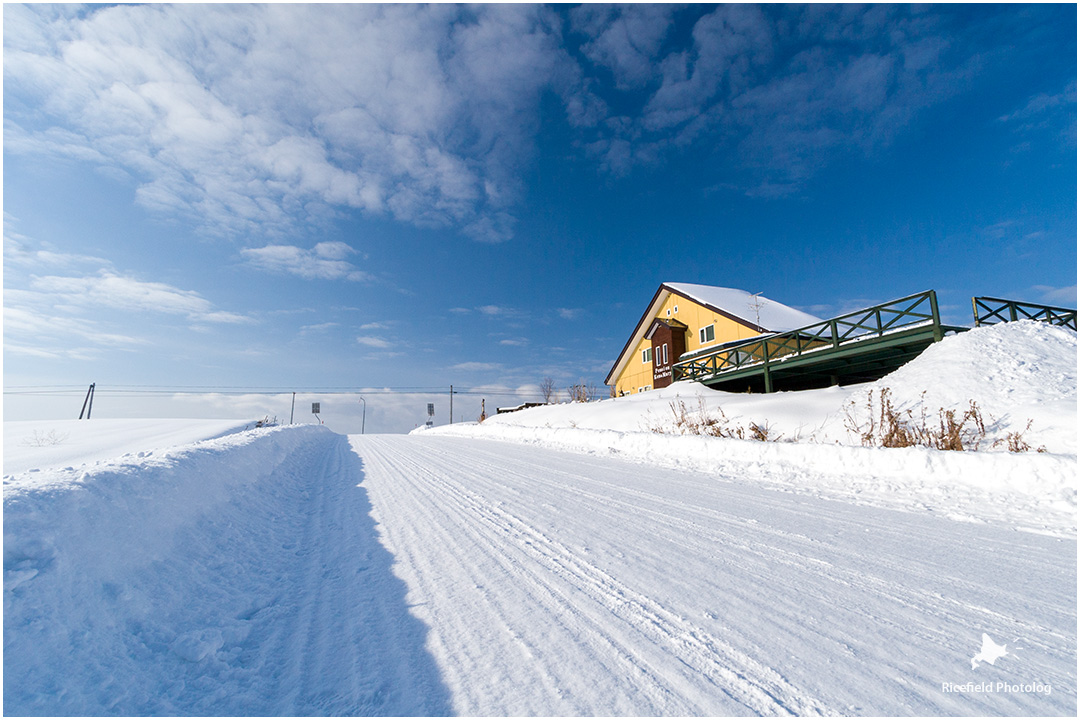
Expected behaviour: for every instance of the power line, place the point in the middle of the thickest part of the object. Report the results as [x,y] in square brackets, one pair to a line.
[160,391]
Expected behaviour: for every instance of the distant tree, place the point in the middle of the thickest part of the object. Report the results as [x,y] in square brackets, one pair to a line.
[547,389]
[580,392]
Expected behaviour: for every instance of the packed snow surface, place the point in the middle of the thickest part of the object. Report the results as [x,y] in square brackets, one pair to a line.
[43,444]
[293,571]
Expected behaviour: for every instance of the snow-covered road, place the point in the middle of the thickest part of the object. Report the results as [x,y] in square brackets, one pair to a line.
[563,584]
[295,571]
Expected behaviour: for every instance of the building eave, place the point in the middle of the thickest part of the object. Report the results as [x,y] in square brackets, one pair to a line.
[650,313]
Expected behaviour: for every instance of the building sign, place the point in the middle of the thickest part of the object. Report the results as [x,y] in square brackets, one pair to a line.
[314,408]
[668,344]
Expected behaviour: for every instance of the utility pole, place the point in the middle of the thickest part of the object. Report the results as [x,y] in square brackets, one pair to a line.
[451,404]
[88,403]
[363,418]
[293,411]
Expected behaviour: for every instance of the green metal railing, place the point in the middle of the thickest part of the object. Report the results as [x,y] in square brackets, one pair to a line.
[994,310]
[906,313]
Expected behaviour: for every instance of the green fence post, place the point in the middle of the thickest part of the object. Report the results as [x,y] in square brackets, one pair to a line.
[938,333]
[765,365]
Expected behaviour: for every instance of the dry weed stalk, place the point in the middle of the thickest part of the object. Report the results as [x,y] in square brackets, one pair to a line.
[43,439]
[1015,442]
[703,422]
[888,427]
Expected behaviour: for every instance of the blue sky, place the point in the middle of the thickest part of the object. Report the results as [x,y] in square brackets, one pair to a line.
[382,197]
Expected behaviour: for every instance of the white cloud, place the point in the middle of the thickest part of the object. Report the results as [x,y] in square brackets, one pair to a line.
[1042,103]
[514,342]
[476,366]
[35,332]
[570,313]
[625,39]
[64,315]
[110,290]
[373,342]
[22,319]
[375,326]
[779,89]
[1059,296]
[260,117]
[323,262]
[320,327]
[18,253]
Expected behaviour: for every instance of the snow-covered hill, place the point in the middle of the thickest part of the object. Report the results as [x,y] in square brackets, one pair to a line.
[1015,372]
[1021,375]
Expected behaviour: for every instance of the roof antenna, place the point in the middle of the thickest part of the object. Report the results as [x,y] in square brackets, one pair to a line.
[755,305]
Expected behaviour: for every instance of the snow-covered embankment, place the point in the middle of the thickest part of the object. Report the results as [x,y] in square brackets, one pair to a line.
[1021,375]
[238,576]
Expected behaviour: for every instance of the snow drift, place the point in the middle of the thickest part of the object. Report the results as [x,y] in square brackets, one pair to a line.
[34,445]
[205,580]
[1021,375]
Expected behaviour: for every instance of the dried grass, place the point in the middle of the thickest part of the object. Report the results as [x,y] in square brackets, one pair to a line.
[877,422]
[703,422]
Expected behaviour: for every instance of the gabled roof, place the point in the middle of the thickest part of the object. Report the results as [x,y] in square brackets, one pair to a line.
[752,310]
[756,312]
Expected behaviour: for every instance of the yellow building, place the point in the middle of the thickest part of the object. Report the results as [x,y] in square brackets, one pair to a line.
[683,318]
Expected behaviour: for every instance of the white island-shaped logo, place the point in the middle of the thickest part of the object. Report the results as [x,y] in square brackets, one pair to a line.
[990,652]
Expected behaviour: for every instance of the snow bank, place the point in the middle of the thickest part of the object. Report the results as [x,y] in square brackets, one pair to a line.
[1033,492]
[43,444]
[69,515]
[1016,372]
[208,579]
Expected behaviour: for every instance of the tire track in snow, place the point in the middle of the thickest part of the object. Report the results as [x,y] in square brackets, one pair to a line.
[689,651]
[497,492]
[882,582]
[414,489]
[847,582]
[489,566]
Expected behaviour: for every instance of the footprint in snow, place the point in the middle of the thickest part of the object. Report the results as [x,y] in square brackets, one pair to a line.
[195,645]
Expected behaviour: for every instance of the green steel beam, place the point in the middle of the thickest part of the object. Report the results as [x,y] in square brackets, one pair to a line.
[843,348]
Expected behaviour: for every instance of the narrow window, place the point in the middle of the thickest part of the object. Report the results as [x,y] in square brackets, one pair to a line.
[707,334]
[664,354]
[676,308]
[646,355]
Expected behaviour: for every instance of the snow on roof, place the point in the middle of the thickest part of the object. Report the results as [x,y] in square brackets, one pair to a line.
[755,309]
